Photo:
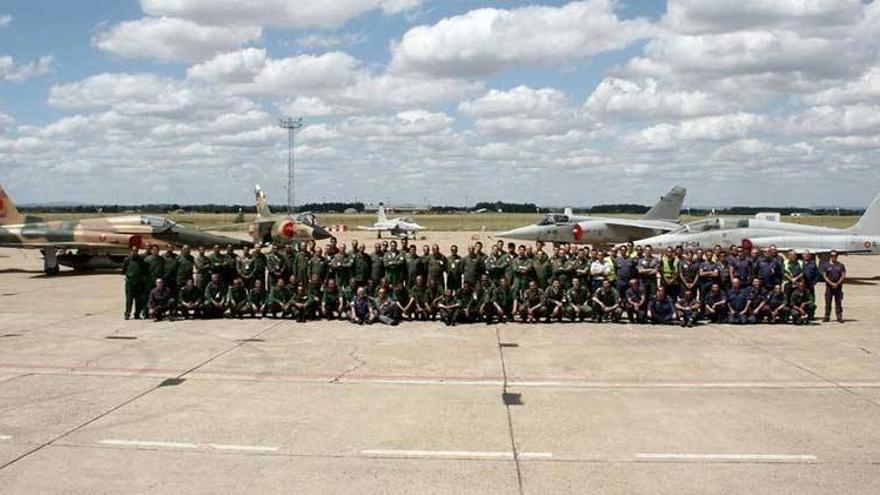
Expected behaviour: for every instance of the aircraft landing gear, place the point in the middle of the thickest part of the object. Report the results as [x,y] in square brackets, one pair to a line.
[50,261]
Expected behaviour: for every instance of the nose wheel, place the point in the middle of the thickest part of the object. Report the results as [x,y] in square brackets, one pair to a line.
[50,261]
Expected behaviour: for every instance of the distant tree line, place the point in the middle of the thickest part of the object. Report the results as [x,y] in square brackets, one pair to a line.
[203,208]
[496,206]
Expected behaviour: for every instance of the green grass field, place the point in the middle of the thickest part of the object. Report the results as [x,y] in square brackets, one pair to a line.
[491,222]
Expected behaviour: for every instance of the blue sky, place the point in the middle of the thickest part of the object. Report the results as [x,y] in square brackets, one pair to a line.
[412,100]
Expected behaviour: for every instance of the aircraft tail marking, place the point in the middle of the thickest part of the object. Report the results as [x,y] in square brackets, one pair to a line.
[669,206]
[8,212]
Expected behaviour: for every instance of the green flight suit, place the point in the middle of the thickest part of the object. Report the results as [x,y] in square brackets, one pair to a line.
[395,267]
[360,268]
[436,267]
[453,272]
[542,268]
[204,267]
[472,268]
[413,268]
[342,265]
[133,268]
[185,264]
[522,274]
[377,266]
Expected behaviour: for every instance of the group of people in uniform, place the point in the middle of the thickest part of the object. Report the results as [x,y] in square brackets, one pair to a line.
[397,281]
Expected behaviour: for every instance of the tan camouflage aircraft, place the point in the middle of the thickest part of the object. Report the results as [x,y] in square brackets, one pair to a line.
[95,243]
[269,228]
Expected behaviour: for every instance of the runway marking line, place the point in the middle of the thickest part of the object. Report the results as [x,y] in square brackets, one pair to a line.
[727,457]
[5,437]
[187,445]
[453,454]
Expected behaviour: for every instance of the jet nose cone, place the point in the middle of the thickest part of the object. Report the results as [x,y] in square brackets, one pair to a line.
[529,233]
[320,233]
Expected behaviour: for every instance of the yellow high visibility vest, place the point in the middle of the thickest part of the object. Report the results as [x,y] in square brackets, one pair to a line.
[668,269]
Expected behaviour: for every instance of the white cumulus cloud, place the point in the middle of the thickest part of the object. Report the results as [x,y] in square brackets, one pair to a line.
[281,13]
[12,72]
[166,38]
[485,41]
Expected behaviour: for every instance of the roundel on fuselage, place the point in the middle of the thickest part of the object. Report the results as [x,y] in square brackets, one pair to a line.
[578,232]
[747,244]
[135,241]
[288,229]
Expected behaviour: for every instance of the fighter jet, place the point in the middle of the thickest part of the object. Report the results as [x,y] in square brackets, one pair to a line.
[95,243]
[269,228]
[398,227]
[861,238]
[569,228]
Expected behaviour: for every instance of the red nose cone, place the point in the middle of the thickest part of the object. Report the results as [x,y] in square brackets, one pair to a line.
[135,241]
[288,229]
[578,232]
[747,245]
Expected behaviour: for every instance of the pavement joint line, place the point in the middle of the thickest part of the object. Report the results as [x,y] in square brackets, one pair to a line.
[513,448]
[839,385]
[187,445]
[726,457]
[125,403]
[453,454]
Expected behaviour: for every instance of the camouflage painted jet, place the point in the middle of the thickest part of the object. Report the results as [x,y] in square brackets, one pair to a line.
[95,243]
[568,228]
[269,228]
[861,238]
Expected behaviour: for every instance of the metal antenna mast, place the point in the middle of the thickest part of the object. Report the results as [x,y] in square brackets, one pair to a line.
[291,124]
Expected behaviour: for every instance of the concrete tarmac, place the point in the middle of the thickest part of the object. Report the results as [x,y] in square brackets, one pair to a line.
[90,403]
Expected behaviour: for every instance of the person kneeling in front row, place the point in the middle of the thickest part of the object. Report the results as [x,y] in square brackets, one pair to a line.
[661,309]
[161,301]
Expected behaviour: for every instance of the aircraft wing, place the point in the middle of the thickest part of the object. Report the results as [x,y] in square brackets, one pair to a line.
[653,225]
[819,244]
[374,229]
[62,245]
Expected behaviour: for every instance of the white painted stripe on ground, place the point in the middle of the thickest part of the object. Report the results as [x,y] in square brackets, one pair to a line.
[188,445]
[662,385]
[149,443]
[420,382]
[453,454]
[728,457]
[608,385]
[245,448]
[5,437]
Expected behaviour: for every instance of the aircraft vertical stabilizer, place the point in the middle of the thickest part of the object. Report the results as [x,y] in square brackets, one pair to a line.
[869,223]
[8,212]
[669,207]
[262,203]
[381,214]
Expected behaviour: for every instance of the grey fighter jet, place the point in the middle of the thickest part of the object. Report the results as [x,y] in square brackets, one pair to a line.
[861,238]
[568,228]
[398,227]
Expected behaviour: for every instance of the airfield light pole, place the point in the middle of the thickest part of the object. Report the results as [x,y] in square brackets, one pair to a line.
[291,124]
